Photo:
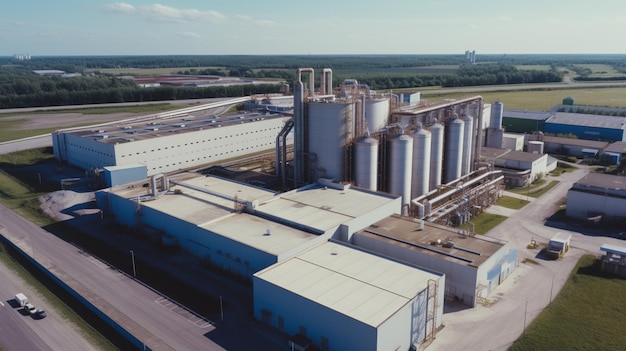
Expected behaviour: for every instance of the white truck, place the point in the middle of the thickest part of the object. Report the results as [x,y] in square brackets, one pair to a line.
[558,245]
[21,299]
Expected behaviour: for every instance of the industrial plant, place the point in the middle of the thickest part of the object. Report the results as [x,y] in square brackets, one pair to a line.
[357,224]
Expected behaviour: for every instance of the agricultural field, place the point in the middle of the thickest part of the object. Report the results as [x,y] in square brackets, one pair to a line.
[542,100]
[600,71]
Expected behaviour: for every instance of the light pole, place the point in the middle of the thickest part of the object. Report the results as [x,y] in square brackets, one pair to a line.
[132,257]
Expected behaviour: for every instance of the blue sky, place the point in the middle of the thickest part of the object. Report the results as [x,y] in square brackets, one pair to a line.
[185,27]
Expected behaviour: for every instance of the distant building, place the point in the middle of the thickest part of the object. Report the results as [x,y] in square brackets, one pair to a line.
[598,197]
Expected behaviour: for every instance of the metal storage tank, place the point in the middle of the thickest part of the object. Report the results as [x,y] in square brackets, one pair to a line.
[421,162]
[366,163]
[497,109]
[535,147]
[400,167]
[468,143]
[454,150]
[495,138]
[376,113]
[436,159]
[330,129]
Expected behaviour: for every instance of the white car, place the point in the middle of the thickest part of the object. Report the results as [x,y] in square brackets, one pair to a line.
[29,308]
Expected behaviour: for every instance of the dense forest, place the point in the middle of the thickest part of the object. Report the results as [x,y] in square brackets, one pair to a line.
[21,87]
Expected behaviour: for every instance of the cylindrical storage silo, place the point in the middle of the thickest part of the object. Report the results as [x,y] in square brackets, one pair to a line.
[366,163]
[330,129]
[497,109]
[421,162]
[495,138]
[535,147]
[436,158]
[454,150]
[400,167]
[468,144]
[376,113]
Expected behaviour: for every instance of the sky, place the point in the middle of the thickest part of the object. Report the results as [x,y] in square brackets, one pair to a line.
[315,27]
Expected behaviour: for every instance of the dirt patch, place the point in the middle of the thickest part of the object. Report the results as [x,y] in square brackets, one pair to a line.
[67,204]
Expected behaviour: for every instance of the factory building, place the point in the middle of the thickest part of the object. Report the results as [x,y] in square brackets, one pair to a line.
[587,126]
[614,153]
[599,198]
[237,227]
[473,265]
[343,298]
[519,168]
[524,121]
[570,146]
[171,143]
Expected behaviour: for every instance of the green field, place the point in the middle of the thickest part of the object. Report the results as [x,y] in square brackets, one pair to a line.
[542,100]
[601,71]
[589,313]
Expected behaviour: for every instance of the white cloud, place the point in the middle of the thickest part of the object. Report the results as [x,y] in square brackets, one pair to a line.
[190,35]
[120,7]
[164,13]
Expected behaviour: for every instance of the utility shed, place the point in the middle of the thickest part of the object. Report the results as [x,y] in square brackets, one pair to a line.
[614,259]
[598,197]
[343,298]
[473,266]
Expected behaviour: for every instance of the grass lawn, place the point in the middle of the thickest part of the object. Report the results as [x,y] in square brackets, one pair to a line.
[511,202]
[588,314]
[536,189]
[484,222]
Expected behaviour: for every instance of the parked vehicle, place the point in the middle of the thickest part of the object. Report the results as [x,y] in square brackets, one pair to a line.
[29,308]
[558,245]
[40,314]
[21,299]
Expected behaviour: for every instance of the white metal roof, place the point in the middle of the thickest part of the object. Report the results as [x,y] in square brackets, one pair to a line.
[357,284]
[619,250]
[260,233]
[324,208]
[210,198]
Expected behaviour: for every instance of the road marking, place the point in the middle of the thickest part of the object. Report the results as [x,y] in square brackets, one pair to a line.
[182,311]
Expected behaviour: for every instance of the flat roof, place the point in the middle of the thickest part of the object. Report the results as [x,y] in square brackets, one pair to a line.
[407,233]
[603,181]
[204,199]
[360,285]
[615,249]
[575,142]
[618,147]
[588,120]
[163,126]
[525,114]
[521,156]
[324,208]
[259,233]
[492,152]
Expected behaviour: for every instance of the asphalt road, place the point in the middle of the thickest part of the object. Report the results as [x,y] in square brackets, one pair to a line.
[21,332]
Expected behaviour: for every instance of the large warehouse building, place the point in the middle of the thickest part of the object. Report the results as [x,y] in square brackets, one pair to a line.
[346,299]
[169,144]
